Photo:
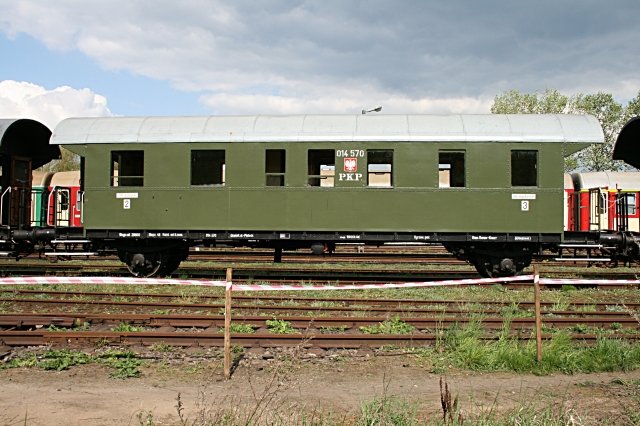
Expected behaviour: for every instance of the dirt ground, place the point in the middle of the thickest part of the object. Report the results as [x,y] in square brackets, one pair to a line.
[331,384]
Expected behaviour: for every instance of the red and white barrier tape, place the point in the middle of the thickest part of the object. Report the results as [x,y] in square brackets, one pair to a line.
[561,281]
[479,281]
[295,287]
[247,287]
[107,281]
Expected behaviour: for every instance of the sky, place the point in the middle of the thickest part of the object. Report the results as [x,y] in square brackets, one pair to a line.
[67,58]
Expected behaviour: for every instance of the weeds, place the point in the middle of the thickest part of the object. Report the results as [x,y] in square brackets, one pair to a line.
[162,347]
[450,409]
[241,328]
[62,359]
[465,348]
[277,326]
[124,363]
[391,326]
[124,327]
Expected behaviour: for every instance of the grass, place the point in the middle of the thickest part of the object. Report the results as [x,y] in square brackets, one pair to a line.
[464,348]
[124,327]
[391,326]
[240,328]
[270,407]
[123,364]
[277,326]
[460,348]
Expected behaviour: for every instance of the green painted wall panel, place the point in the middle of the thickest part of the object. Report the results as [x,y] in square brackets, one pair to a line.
[167,201]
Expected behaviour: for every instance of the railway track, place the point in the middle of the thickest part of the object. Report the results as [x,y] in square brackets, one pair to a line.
[262,340]
[270,301]
[213,323]
[244,304]
[325,332]
[86,318]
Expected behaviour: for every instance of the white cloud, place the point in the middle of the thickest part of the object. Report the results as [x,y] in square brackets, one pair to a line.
[228,103]
[333,56]
[27,100]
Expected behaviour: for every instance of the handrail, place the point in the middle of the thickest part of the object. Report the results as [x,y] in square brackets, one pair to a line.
[2,202]
[81,193]
[49,204]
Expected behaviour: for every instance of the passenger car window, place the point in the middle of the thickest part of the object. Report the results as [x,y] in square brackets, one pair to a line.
[207,167]
[631,203]
[321,167]
[127,168]
[274,167]
[524,168]
[451,172]
[380,168]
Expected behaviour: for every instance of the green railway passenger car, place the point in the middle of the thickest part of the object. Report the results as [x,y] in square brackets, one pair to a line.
[488,187]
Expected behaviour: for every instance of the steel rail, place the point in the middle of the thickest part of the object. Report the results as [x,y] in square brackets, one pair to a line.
[301,340]
[302,299]
[304,322]
[241,307]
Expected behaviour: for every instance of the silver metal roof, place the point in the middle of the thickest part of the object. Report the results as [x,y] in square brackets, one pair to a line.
[580,129]
[611,180]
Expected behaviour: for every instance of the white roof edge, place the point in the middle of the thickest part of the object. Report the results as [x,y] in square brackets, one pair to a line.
[564,128]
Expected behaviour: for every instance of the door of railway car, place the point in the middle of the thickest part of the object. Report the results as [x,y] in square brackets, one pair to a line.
[15,199]
[633,214]
[572,211]
[627,215]
[598,209]
[59,207]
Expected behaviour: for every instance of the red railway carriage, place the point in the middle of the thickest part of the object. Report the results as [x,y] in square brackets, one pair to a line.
[65,200]
[56,199]
[569,204]
[604,201]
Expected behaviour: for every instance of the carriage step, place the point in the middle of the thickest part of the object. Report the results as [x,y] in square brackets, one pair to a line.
[582,259]
[70,253]
[593,246]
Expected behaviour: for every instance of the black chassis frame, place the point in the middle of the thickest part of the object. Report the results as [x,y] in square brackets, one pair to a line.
[303,239]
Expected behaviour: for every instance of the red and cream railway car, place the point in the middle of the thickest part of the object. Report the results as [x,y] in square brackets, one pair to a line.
[603,201]
[56,199]
[569,203]
[65,200]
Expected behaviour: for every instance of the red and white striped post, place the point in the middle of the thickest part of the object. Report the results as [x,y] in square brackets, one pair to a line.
[227,326]
[536,291]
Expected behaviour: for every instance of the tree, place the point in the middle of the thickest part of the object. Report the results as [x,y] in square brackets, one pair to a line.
[68,161]
[609,113]
[633,108]
[514,102]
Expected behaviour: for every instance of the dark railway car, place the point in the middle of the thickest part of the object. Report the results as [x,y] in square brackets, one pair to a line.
[488,187]
[24,145]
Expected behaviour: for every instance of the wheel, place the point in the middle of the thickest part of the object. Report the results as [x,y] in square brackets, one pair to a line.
[495,267]
[142,266]
[153,261]
[481,266]
[168,265]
